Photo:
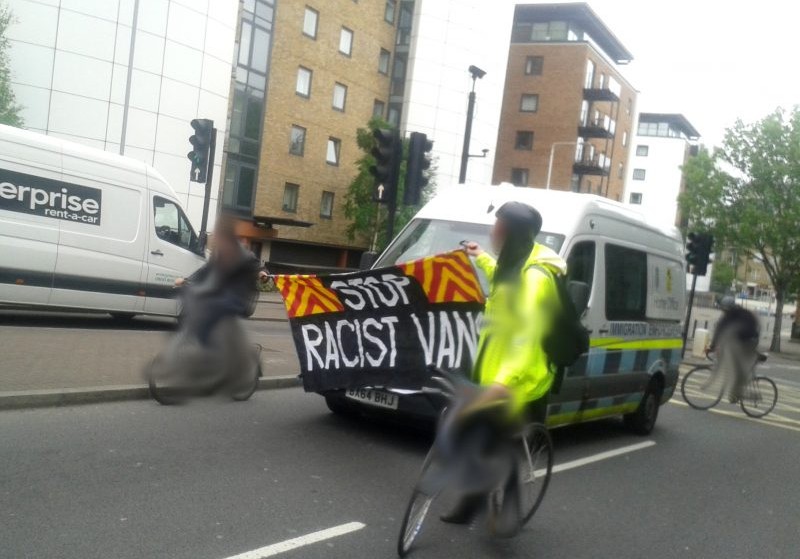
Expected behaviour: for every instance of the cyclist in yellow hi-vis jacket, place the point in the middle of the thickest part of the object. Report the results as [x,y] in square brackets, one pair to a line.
[511,363]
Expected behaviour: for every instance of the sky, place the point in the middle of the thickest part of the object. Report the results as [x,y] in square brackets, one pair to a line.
[712,60]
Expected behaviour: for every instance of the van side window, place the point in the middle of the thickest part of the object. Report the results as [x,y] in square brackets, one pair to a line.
[172,225]
[580,263]
[626,283]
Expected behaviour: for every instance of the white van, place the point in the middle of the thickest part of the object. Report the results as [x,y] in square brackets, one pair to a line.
[84,229]
[635,272]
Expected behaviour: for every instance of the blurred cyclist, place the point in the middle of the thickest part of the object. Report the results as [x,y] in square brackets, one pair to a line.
[224,287]
[511,365]
[735,342]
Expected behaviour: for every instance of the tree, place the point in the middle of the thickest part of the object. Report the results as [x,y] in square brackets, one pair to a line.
[722,276]
[368,219]
[747,194]
[9,109]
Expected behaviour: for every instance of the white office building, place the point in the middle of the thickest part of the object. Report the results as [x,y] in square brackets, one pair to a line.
[127,76]
[443,40]
[661,146]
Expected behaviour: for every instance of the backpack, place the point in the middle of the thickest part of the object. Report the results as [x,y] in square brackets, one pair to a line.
[568,338]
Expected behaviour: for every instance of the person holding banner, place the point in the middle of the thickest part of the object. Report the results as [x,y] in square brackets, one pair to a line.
[511,366]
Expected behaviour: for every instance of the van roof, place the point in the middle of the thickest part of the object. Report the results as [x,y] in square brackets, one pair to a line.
[75,149]
[561,211]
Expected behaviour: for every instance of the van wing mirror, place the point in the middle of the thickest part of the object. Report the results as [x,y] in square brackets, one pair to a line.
[368,259]
[579,292]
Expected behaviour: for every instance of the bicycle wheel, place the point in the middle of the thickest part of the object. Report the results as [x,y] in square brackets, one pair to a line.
[162,389]
[534,470]
[759,397]
[245,383]
[702,387]
[417,510]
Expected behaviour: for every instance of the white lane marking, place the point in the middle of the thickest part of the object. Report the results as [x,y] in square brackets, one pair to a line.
[598,457]
[294,543]
[738,415]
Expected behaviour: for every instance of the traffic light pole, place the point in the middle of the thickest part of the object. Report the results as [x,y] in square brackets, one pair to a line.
[688,315]
[207,197]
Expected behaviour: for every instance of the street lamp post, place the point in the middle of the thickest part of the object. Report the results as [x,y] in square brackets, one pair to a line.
[477,74]
[552,154]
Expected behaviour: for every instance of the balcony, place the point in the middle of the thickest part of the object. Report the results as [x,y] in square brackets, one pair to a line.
[592,164]
[607,90]
[604,127]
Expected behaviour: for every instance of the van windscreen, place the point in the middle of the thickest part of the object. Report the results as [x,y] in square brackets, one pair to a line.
[425,237]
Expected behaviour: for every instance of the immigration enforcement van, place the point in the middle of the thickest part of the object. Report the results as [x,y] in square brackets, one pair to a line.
[635,272]
[84,229]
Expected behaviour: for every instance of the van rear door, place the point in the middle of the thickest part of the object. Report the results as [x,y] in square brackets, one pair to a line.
[171,254]
[28,239]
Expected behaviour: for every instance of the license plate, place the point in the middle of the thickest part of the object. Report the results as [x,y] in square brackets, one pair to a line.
[374,398]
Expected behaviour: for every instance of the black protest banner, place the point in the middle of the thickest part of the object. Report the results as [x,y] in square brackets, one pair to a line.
[384,327]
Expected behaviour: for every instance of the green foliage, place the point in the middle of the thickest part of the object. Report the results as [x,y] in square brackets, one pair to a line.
[722,276]
[748,195]
[9,109]
[366,216]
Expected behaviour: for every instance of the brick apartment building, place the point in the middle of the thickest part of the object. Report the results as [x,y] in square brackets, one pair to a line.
[565,98]
[309,75]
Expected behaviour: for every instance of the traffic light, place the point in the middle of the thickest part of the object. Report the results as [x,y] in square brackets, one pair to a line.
[201,142]
[388,153]
[698,252]
[418,162]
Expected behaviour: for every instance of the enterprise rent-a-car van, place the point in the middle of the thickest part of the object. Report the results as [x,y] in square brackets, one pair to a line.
[637,283]
[84,229]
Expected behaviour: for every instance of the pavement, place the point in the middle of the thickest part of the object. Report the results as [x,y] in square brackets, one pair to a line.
[56,357]
[281,476]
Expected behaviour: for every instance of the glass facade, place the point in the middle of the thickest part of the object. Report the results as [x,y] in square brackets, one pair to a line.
[249,97]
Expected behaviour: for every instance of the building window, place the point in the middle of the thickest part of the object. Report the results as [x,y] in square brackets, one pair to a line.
[377,108]
[588,81]
[393,117]
[290,195]
[297,141]
[533,65]
[529,103]
[524,140]
[326,205]
[239,186]
[636,198]
[642,151]
[550,31]
[519,177]
[639,174]
[383,62]
[629,108]
[334,147]
[626,283]
[310,23]
[575,183]
[346,41]
[621,171]
[339,96]
[625,139]
[390,12]
[303,86]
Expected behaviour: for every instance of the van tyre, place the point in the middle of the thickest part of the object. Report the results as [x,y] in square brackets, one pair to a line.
[643,420]
[338,405]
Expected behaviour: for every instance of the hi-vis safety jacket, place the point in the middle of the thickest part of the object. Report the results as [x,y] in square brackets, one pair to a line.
[516,319]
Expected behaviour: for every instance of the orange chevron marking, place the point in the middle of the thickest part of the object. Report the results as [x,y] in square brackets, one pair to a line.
[446,278]
[305,296]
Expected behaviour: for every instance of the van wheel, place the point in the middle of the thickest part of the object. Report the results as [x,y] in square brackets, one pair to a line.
[643,420]
[122,316]
[337,404]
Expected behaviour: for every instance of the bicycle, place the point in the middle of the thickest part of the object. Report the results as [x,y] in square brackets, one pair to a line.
[534,456]
[186,368]
[703,388]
